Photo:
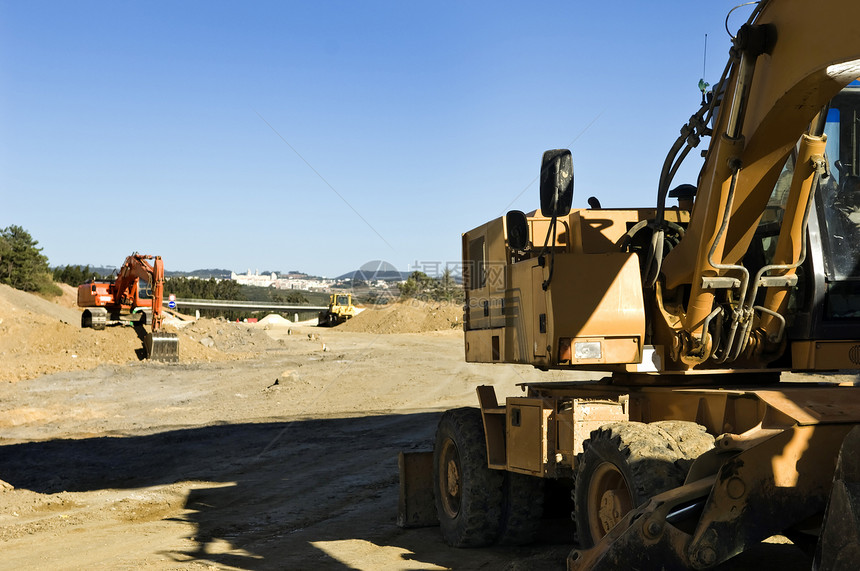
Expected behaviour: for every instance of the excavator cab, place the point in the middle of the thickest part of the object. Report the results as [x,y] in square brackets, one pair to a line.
[826,305]
[144,290]
[839,201]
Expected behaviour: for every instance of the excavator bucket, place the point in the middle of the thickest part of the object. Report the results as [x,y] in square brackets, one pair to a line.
[162,346]
[839,544]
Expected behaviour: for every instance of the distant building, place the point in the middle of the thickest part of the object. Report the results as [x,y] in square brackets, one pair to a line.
[306,283]
[255,279]
[293,280]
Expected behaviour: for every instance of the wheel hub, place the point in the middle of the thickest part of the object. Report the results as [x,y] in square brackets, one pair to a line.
[453,478]
[609,499]
[450,481]
[610,510]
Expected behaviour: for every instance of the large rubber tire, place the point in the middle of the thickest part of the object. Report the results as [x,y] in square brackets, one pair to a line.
[522,509]
[622,466]
[689,438]
[468,495]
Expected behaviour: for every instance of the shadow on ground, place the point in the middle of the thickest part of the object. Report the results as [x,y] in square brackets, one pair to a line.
[305,494]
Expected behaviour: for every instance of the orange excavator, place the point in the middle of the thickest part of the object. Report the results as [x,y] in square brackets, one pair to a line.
[135,296]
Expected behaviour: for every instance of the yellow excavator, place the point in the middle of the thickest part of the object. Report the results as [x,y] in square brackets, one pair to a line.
[715,322]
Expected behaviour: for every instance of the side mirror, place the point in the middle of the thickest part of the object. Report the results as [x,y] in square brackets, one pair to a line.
[517,227]
[556,183]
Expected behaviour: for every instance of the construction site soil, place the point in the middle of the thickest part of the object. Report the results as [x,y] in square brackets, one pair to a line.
[268,446]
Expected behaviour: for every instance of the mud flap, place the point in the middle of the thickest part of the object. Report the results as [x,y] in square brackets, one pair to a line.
[162,347]
[416,507]
[839,544]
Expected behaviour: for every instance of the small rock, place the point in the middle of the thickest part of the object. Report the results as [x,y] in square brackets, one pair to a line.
[207,342]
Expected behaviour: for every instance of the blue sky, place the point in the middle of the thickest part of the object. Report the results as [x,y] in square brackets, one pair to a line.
[169,127]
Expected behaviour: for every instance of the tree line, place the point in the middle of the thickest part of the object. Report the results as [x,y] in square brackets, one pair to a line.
[24,267]
[421,286]
[75,275]
[195,288]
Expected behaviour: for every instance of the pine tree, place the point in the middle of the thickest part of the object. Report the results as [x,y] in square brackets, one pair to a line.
[22,264]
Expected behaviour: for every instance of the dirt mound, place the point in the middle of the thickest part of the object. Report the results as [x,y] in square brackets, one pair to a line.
[411,316]
[69,297]
[13,301]
[228,336]
[38,337]
[275,319]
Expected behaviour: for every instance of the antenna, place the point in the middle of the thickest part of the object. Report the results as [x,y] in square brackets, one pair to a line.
[703,85]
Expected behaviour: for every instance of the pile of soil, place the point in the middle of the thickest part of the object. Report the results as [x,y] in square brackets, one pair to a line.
[228,336]
[410,316]
[69,297]
[39,336]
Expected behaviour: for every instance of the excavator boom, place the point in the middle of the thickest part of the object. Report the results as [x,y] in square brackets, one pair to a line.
[789,64]
[160,346]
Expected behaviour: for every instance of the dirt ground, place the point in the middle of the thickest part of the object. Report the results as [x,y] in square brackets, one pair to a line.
[268,446]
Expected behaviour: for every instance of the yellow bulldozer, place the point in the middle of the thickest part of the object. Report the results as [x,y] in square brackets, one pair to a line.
[340,308]
[705,436]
